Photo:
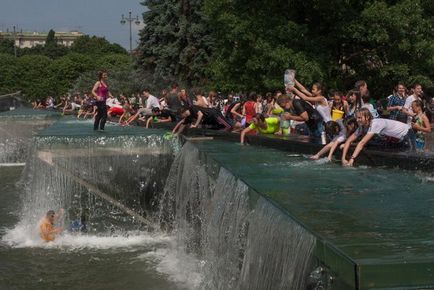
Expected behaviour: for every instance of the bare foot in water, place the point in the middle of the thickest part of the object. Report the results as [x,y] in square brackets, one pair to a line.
[314,157]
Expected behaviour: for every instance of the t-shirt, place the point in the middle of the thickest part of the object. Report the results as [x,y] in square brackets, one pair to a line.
[386,127]
[173,102]
[210,115]
[407,105]
[272,126]
[301,106]
[342,135]
[167,114]
[152,102]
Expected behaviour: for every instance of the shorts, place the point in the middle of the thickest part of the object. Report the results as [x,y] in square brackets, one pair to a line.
[116,111]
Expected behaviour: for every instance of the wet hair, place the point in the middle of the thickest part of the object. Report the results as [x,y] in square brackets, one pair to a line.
[348,122]
[396,88]
[418,103]
[260,117]
[359,84]
[358,102]
[283,99]
[365,113]
[332,128]
[337,93]
[252,96]
[198,92]
[319,86]
[100,74]
[51,212]
[268,95]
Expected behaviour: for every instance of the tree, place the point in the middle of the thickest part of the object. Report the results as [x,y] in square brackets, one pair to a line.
[7,46]
[175,43]
[33,72]
[95,45]
[8,74]
[51,39]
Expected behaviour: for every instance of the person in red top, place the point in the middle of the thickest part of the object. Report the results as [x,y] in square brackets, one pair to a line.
[249,108]
[101,92]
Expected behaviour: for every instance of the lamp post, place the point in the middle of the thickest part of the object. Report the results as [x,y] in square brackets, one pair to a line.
[15,39]
[130,20]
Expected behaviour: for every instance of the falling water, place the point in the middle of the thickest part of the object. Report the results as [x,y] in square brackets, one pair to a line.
[243,241]
[112,181]
[15,136]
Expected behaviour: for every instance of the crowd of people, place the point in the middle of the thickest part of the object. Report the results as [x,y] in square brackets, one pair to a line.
[400,120]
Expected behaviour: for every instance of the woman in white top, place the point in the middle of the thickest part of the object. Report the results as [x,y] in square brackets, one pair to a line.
[370,126]
[315,97]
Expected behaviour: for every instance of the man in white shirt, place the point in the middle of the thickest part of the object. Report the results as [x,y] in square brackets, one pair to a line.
[417,94]
[151,102]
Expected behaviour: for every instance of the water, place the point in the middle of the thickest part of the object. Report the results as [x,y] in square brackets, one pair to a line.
[233,230]
[213,216]
[98,260]
[85,175]
[16,129]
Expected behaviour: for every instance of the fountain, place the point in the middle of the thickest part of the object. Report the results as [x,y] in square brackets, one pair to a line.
[245,217]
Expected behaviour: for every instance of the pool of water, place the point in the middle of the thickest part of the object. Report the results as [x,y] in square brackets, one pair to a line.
[98,260]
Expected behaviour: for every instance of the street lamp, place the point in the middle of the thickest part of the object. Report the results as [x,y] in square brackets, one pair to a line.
[15,37]
[130,20]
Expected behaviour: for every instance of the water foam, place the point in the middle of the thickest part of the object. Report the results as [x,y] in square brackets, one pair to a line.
[23,236]
[182,268]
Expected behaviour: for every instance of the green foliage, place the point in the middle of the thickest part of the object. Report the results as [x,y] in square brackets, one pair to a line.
[126,80]
[175,44]
[113,61]
[51,38]
[53,69]
[33,73]
[247,45]
[7,46]
[96,45]
[8,74]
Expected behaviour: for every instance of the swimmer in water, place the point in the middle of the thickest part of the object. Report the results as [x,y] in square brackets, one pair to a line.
[79,225]
[47,230]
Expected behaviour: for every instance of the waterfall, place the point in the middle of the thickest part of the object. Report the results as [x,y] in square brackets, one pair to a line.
[113,181]
[244,241]
[15,136]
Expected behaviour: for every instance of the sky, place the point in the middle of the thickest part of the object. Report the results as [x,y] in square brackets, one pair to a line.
[93,17]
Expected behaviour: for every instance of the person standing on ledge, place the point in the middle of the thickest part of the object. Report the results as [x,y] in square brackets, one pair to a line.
[47,230]
[101,92]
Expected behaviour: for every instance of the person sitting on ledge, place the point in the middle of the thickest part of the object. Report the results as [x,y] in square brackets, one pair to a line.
[337,131]
[400,133]
[47,230]
[194,116]
[264,125]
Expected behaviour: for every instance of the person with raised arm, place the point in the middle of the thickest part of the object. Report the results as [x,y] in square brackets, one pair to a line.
[315,97]
[47,228]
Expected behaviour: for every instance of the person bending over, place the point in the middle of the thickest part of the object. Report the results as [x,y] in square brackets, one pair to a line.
[263,125]
[47,230]
[160,116]
[337,131]
[301,111]
[194,116]
[369,127]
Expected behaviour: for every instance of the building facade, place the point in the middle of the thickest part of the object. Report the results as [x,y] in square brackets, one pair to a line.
[31,39]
